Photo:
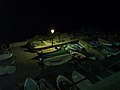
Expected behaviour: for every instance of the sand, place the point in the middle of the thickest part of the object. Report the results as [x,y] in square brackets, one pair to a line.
[27,66]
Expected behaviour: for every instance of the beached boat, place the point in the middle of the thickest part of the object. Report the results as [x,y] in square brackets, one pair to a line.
[30,84]
[57,60]
[7,62]
[81,81]
[116,43]
[47,51]
[44,85]
[42,55]
[56,53]
[5,56]
[63,83]
[91,49]
[112,51]
[105,52]
[104,42]
[95,44]
[7,70]
[84,44]
[77,54]
[75,47]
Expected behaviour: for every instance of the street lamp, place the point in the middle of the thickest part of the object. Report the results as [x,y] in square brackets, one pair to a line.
[52,31]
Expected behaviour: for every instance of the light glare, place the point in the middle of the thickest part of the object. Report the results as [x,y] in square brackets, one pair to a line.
[52,31]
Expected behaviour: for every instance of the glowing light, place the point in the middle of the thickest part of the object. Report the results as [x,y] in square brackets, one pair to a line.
[52,30]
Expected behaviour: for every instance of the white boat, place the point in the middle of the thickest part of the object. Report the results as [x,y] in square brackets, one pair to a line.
[7,62]
[30,84]
[7,70]
[48,50]
[74,47]
[44,85]
[83,82]
[112,51]
[97,54]
[63,82]
[77,54]
[57,60]
[105,52]
[104,42]
[84,44]
[5,55]
[92,50]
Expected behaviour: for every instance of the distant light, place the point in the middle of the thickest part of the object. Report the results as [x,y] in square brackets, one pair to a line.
[52,30]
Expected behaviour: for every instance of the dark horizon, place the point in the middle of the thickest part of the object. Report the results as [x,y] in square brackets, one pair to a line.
[25,19]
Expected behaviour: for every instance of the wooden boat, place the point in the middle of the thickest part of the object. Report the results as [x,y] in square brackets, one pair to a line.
[30,84]
[74,47]
[57,60]
[104,42]
[83,82]
[63,82]
[55,53]
[7,62]
[84,44]
[112,51]
[5,56]
[7,70]
[91,49]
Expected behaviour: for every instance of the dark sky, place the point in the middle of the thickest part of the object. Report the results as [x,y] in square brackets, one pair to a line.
[27,18]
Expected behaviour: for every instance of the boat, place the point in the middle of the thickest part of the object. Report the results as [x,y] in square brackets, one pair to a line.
[94,43]
[57,60]
[30,84]
[64,83]
[97,54]
[87,54]
[56,53]
[5,56]
[112,51]
[48,50]
[74,47]
[84,44]
[77,54]
[7,62]
[81,81]
[44,85]
[4,70]
[104,42]
[105,52]
[116,43]
[92,50]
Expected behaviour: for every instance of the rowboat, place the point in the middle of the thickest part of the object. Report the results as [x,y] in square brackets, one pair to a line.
[82,82]
[30,84]
[63,83]
[7,70]
[104,42]
[57,60]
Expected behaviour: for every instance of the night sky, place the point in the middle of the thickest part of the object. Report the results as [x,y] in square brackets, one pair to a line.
[23,19]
